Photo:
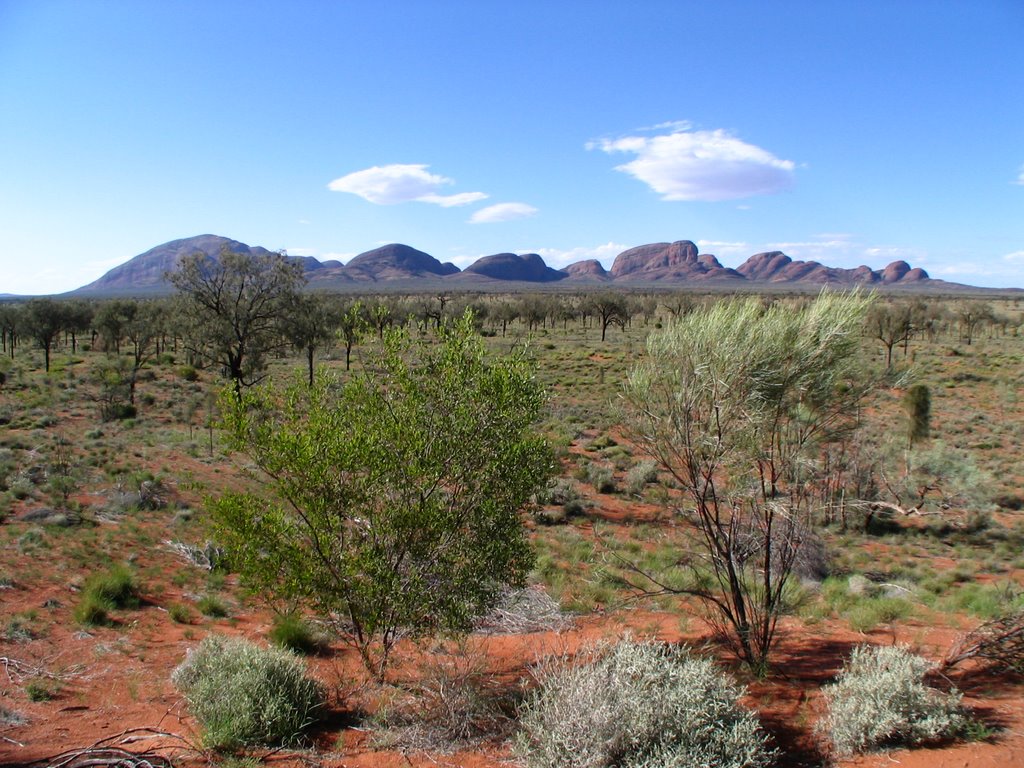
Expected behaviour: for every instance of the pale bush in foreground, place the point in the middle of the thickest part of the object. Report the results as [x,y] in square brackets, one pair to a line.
[880,698]
[243,694]
[639,705]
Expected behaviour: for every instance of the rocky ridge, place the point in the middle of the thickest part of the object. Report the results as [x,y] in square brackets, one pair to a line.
[676,263]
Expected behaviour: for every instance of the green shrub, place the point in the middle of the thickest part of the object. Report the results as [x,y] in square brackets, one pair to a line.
[117,586]
[640,704]
[93,611]
[105,592]
[212,607]
[602,478]
[39,690]
[188,373]
[180,613]
[640,476]
[293,633]
[880,699]
[245,695]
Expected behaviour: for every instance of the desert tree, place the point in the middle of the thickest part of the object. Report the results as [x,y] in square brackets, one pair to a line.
[143,330]
[892,325]
[381,315]
[44,319]
[394,497]
[11,322]
[350,321]
[79,320]
[736,403]
[234,305]
[971,315]
[610,309]
[310,326]
[111,319]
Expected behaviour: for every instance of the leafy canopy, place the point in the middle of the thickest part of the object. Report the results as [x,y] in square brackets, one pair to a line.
[393,498]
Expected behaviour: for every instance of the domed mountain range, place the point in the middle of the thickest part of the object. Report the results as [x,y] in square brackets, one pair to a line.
[663,264]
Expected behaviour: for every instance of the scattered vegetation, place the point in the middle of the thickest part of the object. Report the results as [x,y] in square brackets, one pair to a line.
[639,704]
[880,699]
[913,514]
[245,695]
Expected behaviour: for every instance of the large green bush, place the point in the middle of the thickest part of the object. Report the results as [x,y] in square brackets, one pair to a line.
[242,694]
[880,699]
[640,704]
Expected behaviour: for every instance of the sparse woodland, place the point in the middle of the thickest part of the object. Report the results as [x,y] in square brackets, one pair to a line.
[465,516]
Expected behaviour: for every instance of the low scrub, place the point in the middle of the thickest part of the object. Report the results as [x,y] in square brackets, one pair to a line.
[639,704]
[245,695]
[105,592]
[880,699]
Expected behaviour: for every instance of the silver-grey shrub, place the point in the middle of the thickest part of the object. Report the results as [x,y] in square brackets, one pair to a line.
[880,699]
[243,694]
[639,705]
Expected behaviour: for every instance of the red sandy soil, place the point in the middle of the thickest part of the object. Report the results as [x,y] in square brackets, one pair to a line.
[115,682]
[118,679]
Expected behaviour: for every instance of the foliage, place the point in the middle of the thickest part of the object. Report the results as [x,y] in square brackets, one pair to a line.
[880,699]
[243,694]
[104,592]
[918,404]
[395,495]
[639,704]
[293,633]
[735,404]
[309,326]
[212,607]
[43,320]
[233,308]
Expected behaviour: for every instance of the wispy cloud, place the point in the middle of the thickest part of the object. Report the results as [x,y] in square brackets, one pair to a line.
[1015,257]
[1020,177]
[700,165]
[502,212]
[402,183]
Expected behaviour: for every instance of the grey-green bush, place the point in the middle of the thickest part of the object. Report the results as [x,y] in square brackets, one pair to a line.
[880,699]
[243,695]
[639,705]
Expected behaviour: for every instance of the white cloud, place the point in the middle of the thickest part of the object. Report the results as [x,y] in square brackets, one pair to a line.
[401,183]
[502,212]
[1013,258]
[701,165]
[558,258]
[449,201]
[301,251]
[1020,177]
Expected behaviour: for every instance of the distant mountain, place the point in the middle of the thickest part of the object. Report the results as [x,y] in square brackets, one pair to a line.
[777,267]
[588,269]
[145,273]
[396,262]
[677,263]
[528,268]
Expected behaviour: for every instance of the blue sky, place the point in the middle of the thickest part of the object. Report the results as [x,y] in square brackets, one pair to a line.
[849,133]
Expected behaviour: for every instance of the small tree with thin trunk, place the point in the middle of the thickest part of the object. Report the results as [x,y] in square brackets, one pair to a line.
[44,319]
[310,326]
[736,403]
[395,496]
